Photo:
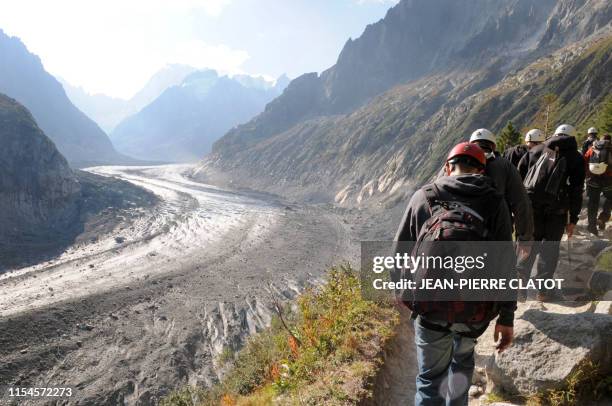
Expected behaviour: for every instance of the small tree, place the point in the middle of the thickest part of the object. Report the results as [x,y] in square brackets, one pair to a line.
[509,137]
[547,113]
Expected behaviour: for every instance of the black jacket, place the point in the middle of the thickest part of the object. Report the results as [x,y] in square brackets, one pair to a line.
[469,190]
[507,180]
[570,197]
[587,144]
[515,153]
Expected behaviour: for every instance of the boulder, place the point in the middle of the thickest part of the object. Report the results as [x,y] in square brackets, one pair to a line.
[605,305]
[547,348]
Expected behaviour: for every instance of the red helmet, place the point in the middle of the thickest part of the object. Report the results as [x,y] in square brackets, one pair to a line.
[469,150]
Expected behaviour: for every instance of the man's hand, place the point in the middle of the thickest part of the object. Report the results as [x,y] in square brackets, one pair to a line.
[523,249]
[569,229]
[506,334]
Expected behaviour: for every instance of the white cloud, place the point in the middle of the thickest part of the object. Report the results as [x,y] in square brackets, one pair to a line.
[114,46]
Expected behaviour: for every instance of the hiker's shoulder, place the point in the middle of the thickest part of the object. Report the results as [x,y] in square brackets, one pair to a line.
[419,198]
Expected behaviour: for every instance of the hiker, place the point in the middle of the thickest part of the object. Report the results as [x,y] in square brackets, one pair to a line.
[532,138]
[508,183]
[591,138]
[553,175]
[446,349]
[598,160]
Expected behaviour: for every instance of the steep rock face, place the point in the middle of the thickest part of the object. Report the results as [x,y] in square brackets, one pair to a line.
[484,63]
[38,191]
[183,123]
[416,38]
[23,78]
[573,20]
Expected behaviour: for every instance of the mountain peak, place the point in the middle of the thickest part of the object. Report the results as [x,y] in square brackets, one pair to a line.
[23,77]
[184,121]
[403,91]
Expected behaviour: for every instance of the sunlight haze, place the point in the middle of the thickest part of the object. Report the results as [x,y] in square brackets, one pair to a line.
[113,47]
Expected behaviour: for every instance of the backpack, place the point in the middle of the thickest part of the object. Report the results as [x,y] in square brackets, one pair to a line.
[600,157]
[545,178]
[451,221]
[515,154]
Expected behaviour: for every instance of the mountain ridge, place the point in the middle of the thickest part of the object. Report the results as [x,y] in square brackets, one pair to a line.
[109,111]
[184,121]
[394,140]
[23,77]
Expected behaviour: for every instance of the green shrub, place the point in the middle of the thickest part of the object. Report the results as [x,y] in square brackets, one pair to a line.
[334,338]
[586,385]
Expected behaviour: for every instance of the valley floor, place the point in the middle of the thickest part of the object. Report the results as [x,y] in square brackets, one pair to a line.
[148,307]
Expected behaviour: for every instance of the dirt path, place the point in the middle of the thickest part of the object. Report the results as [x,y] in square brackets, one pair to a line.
[148,307]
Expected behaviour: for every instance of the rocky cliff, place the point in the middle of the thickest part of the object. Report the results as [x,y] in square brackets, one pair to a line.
[46,206]
[414,83]
[23,77]
[38,191]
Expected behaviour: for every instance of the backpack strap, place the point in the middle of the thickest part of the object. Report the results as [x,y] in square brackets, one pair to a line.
[432,196]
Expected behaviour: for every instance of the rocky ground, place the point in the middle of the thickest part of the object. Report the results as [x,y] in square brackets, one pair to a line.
[551,340]
[124,315]
[149,296]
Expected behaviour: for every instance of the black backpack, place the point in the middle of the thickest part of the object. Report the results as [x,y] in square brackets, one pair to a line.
[451,221]
[545,178]
[600,158]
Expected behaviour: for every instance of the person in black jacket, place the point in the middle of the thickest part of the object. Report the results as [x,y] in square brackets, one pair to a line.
[532,138]
[599,183]
[507,181]
[591,138]
[444,346]
[556,214]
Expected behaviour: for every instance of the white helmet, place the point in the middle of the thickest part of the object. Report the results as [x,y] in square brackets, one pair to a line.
[483,134]
[592,130]
[535,135]
[566,129]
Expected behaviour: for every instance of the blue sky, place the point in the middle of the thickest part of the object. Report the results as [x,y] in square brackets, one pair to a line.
[114,46]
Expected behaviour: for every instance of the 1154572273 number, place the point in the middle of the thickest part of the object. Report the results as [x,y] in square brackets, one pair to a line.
[38,392]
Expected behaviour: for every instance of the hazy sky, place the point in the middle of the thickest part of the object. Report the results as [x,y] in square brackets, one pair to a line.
[114,46]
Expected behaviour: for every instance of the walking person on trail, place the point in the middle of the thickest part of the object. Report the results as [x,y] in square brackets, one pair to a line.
[446,331]
[532,138]
[591,138]
[508,183]
[553,175]
[598,160]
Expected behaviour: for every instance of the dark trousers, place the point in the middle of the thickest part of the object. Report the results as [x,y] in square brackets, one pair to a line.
[549,227]
[594,193]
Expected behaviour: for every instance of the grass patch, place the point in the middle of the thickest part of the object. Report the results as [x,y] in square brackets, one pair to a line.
[585,385]
[604,262]
[495,397]
[325,353]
